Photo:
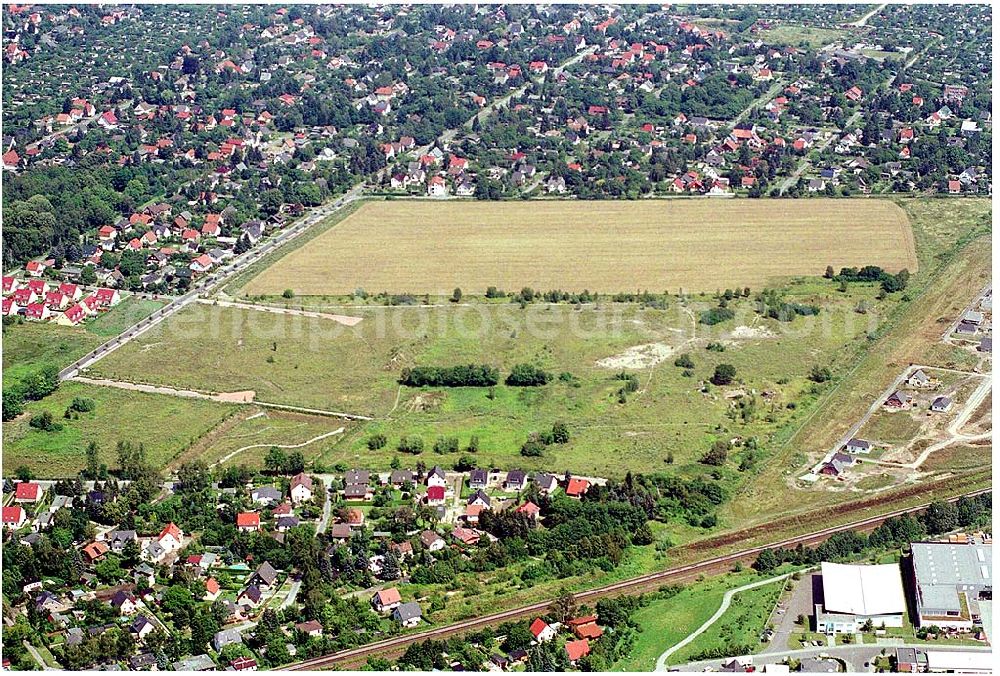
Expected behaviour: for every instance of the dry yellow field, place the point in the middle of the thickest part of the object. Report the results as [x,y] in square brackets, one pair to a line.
[606,246]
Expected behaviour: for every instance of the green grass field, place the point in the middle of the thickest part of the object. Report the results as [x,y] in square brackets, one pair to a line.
[740,625]
[812,36]
[320,364]
[30,346]
[165,424]
[664,623]
[244,439]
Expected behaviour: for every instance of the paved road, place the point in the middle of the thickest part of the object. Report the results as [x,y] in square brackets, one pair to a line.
[799,602]
[212,281]
[727,598]
[864,20]
[35,655]
[857,657]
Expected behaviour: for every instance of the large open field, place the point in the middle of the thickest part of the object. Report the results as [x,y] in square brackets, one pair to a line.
[320,364]
[165,425]
[695,245]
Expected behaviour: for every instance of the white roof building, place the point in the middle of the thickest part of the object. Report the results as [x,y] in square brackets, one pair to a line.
[854,594]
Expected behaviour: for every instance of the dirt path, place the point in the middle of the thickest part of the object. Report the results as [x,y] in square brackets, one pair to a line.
[340,319]
[244,397]
[229,456]
[954,429]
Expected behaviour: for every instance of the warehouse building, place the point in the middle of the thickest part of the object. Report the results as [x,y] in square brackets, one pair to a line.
[950,580]
[854,594]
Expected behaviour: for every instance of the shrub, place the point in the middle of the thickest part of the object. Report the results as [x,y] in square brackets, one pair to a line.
[820,374]
[446,445]
[82,405]
[715,347]
[717,455]
[716,315]
[724,374]
[45,422]
[376,441]
[527,375]
[684,361]
[469,375]
[288,293]
[412,444]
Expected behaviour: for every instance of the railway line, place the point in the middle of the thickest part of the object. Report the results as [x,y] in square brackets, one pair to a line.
[397,645]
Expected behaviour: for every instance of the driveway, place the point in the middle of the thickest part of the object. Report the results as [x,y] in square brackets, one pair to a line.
[799,602]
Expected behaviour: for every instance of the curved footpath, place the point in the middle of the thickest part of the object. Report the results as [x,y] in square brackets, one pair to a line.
[661,661]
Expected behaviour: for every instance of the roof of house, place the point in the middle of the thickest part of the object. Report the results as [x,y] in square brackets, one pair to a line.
[27,491]
[388,596]
[942,567]
[266,573]
[577,486]
[577,649]
[246,519]
[301,479]
[863,590]
[538,626]
[407,611]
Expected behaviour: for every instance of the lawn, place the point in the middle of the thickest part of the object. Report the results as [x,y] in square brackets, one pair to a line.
[29,346]
[319,364]
[696,245]
[664,623]
[244,439]
[127,313]
[740,625]
[165,424]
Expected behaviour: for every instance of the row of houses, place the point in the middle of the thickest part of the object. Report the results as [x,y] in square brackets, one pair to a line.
[66,304]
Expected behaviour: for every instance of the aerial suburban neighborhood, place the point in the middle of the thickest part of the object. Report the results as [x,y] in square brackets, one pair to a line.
[507,338]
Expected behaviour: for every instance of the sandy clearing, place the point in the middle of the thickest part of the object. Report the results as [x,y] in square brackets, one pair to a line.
[638,357]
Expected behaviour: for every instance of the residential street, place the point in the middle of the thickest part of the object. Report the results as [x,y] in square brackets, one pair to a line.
[857,657]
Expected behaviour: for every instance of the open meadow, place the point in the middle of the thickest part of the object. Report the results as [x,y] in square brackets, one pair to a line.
[319,364]
[408,246]
[245,438]
[165,425]
[32,346]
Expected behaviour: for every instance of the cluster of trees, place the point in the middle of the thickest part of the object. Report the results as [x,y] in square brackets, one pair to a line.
[35,385]
[872,273]
[528,375]
[536,443]
[771,303]
[467,375]
[716,315]
[899,531]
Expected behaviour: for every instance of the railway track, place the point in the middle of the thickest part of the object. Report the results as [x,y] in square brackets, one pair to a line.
[397,645]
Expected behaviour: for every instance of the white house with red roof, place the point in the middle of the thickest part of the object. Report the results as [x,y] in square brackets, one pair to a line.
[37,311]
[71,291]
[10,284]
[542,630]
[35,268]
[72,316]
[27,491]
[14,517]
[108,120]
[247,522]
[170,537]
[106,297]
[301,488]
[202,263]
